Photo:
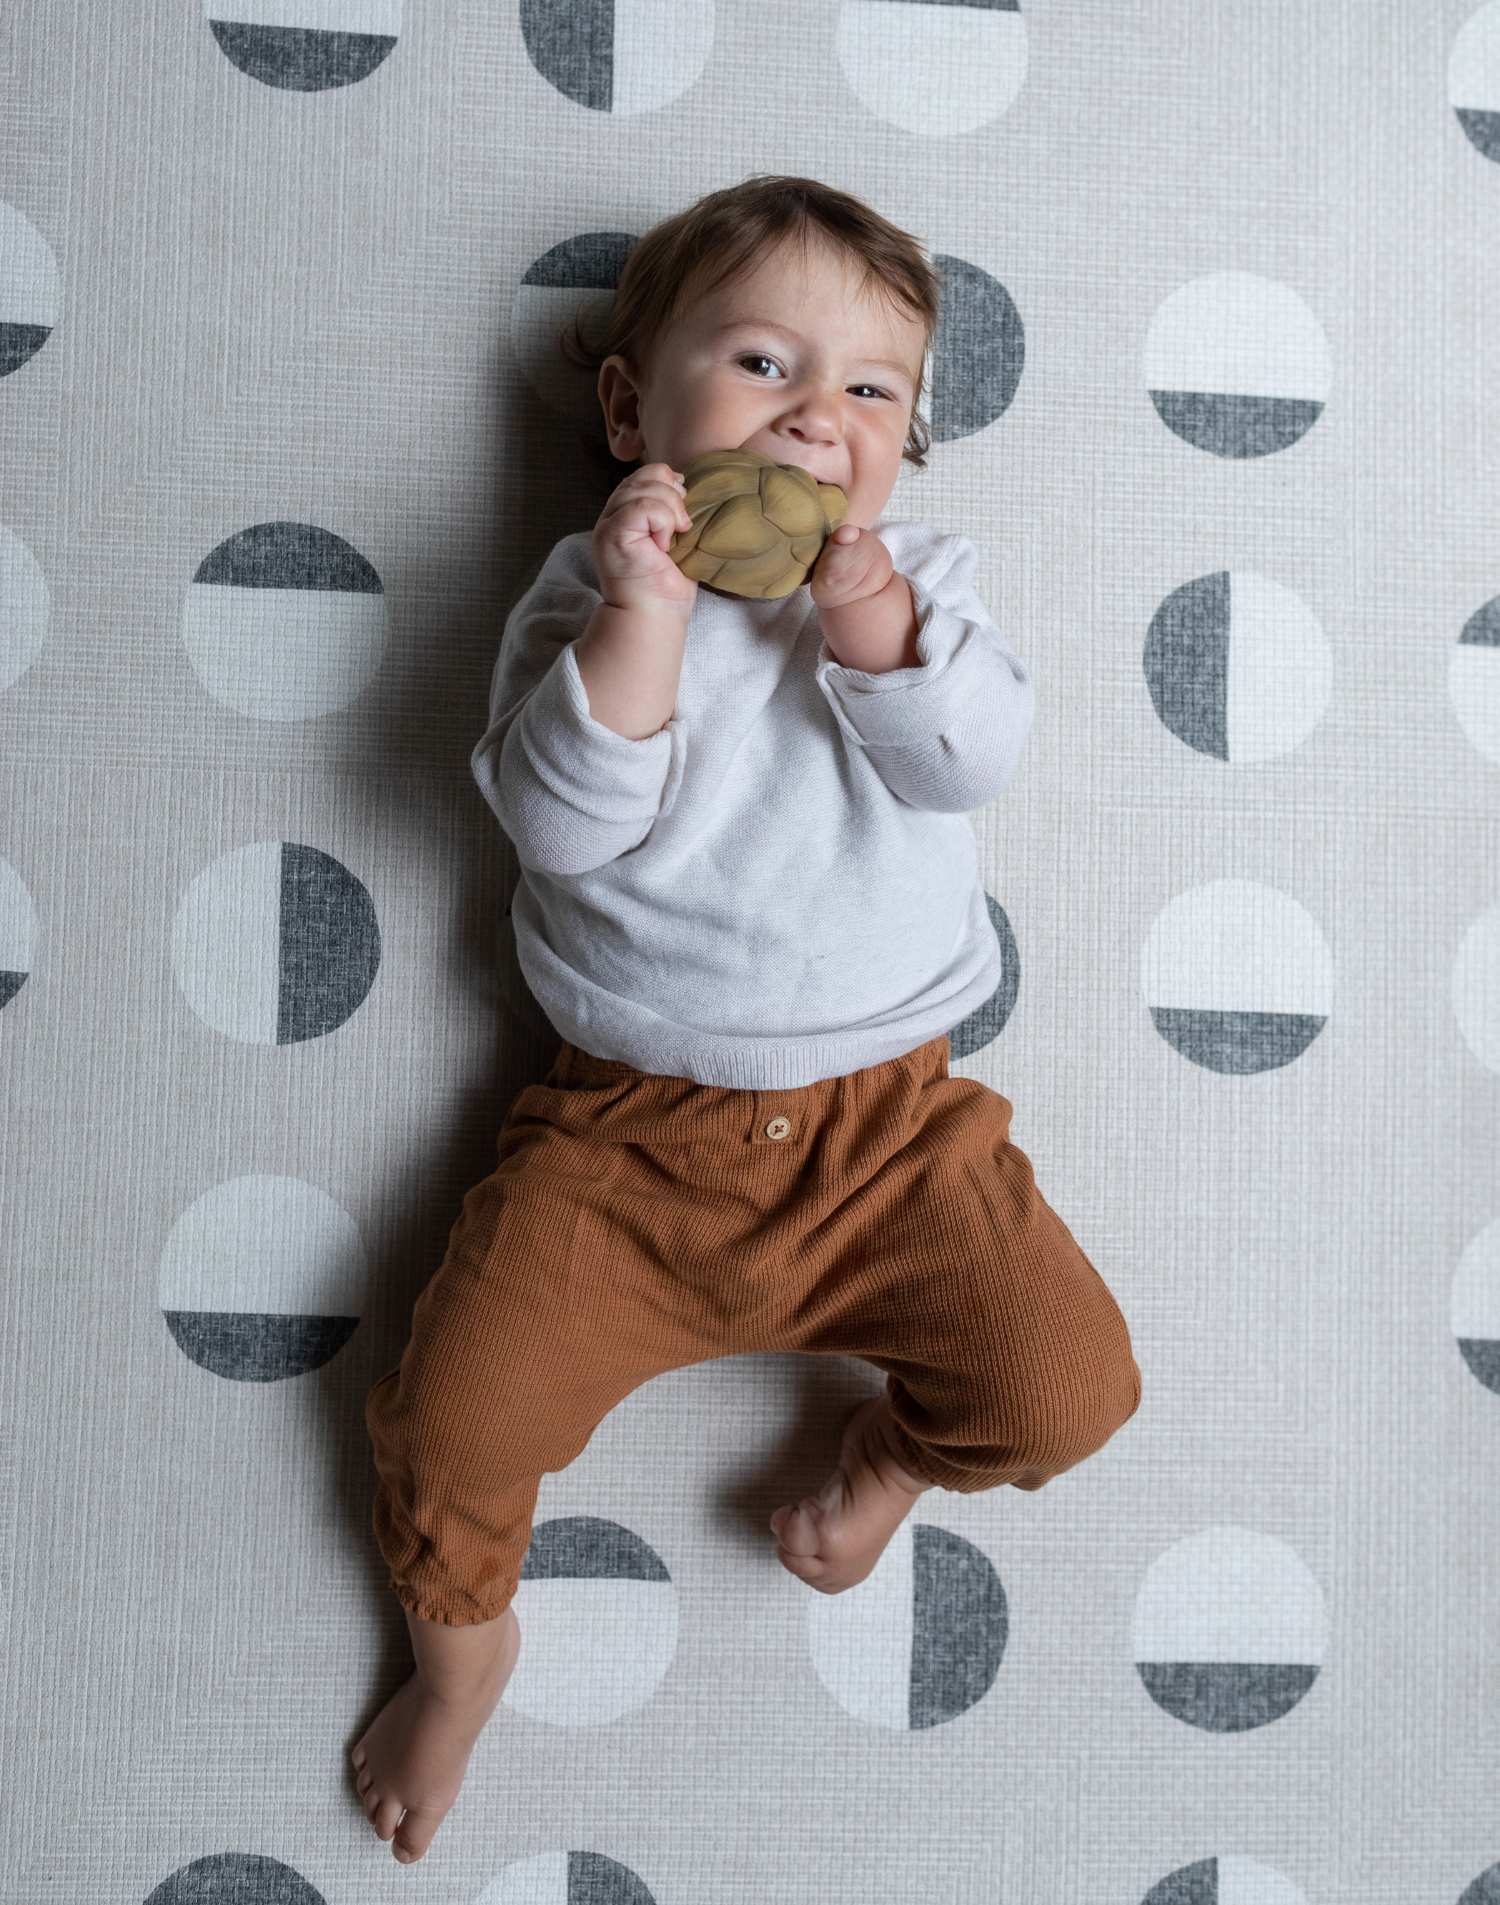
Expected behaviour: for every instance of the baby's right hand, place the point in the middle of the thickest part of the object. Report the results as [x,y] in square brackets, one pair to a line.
[631,538]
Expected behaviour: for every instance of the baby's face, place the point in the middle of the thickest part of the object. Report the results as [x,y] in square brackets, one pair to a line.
[797,360]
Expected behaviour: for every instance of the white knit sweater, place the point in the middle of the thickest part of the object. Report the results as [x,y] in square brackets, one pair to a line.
[781,885]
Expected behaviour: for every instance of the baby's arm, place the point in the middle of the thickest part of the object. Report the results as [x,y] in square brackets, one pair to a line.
[630,655]
[865,609]
[944,725]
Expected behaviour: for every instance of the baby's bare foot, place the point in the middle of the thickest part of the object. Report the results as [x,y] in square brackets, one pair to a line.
[833,1539]
[411,1761]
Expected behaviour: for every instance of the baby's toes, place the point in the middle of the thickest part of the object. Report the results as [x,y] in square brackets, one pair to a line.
[796,1529]
[416,1834]
[384,1813]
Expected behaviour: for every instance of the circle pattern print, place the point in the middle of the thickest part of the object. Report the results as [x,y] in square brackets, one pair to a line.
[284,621]
[18,930]
[25,606]
[1237,365]
[566,1878]
[978,353]
[920,1639]
[262,1278]
[1485,1890]
[1231,1881]
[1237,666]
[620,56]
[1229,1630]
[305,46]
[1475,1309]
[275,943]
[985,1024]
[599,1613]
[579,275]
[933,69]
[1237,977]
[1476,988]
[1474,678]
[235,1878]
[1474,79]
[30,289]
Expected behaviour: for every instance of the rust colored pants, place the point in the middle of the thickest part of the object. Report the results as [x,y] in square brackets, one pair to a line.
[638,1223]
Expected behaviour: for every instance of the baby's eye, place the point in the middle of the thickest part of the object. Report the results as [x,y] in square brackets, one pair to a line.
[867,390]
[773,369]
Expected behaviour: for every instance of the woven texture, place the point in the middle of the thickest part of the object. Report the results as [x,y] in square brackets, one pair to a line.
[282,432]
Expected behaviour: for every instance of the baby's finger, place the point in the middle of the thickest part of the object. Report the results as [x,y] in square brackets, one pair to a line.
[655,495]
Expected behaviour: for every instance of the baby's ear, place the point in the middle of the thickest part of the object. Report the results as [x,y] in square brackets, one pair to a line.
[620,401]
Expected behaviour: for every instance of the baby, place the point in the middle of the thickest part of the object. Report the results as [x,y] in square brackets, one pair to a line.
[750,906]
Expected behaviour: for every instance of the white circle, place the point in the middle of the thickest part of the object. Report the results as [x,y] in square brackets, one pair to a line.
[226,943]
[1237,946]
[1280,671]
[18,922]
[24,608]
[1233,333]
[861,1640]
[30,284]
[1230,1595]
[542,1880]
[265,1246]
[1475,1307]
[932,69]
[1474,62]
[288,653]
[595,1647]
[1474,679]
[660,48]
[1476,988]
[1247,1882]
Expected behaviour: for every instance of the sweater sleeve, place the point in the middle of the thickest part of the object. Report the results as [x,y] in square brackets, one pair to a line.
[571,793]
[946,736]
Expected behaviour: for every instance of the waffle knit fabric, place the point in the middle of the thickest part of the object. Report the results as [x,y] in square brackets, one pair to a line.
[637,1223]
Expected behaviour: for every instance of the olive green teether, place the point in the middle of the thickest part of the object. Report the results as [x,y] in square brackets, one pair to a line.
[758,526]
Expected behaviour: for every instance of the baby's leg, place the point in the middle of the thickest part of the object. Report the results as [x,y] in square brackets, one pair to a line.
[542,1317]
[1007,1358]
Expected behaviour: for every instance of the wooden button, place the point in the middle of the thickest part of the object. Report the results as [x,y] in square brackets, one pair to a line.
[779,1128]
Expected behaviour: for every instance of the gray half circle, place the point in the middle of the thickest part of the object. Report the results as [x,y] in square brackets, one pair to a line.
[18,342]
[284,555]
[300,59]
[977,6]
[235,1878]
[1482,630]
[986,1022]
[596,1880]
[329,944]
[1196,1884]
[1483,1358]
[1229,425]
[1187,663]
[1225,1696]
[589,1548]
[1483,129]
[959,1626]
[10,984]
[246,1346]
[978,352]
[1485,1890]
[1237,1042]
[589,261]
[571,43]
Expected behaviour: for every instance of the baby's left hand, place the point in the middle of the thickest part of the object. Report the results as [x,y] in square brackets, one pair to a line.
[854,564]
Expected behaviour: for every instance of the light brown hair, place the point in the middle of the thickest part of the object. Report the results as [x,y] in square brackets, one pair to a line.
[726,234]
